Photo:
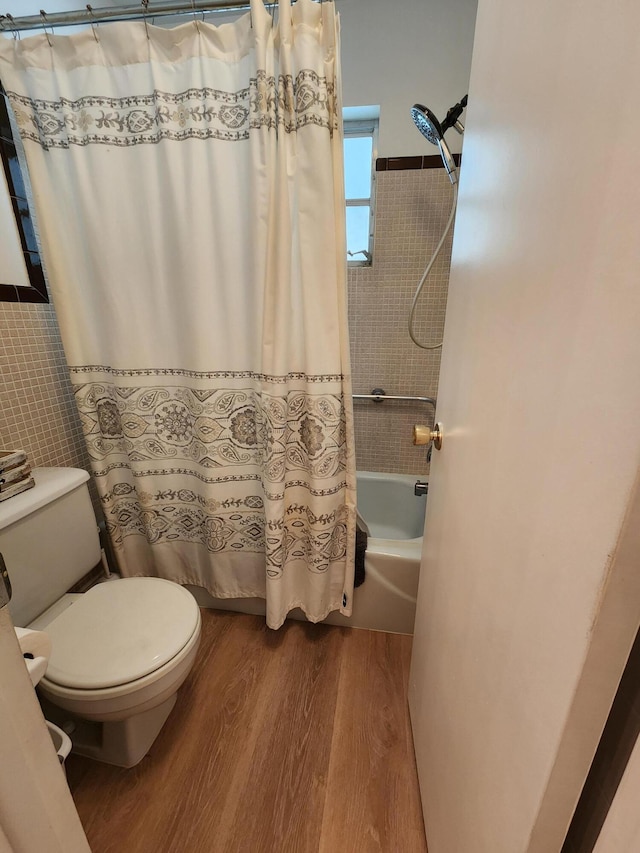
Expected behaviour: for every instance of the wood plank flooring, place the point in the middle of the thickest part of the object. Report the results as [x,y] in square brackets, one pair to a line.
[289,741]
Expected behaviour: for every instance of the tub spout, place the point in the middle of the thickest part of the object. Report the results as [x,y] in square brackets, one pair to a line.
[421,488]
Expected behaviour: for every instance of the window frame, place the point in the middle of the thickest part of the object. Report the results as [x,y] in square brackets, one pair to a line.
[362,127]
[36,291]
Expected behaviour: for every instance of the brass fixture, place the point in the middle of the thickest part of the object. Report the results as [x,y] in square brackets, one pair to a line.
[423,435]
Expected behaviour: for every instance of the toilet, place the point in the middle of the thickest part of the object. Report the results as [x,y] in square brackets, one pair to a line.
[121,650]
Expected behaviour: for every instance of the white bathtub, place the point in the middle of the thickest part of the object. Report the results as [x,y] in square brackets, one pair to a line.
[386,601]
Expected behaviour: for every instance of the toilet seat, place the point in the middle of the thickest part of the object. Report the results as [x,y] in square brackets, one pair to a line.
[119,633]
[116,703]
[130,715]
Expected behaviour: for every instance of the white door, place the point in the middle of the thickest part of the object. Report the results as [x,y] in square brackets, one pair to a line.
[37,813]
[529,594]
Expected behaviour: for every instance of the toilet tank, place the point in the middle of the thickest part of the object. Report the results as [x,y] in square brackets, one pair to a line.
[49,540]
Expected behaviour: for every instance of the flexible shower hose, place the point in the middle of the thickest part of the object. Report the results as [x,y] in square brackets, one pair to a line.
[428,270]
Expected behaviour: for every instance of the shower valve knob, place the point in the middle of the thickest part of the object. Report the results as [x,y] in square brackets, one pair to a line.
[424,435]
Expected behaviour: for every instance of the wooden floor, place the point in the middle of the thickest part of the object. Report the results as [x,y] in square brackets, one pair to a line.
[289,741]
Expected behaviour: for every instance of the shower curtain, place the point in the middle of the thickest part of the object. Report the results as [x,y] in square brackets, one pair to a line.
[188,186]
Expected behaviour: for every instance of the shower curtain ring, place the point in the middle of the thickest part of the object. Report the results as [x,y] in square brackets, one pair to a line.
[14,32]
[145,4]
[93,26]
[195,12]
[45,23]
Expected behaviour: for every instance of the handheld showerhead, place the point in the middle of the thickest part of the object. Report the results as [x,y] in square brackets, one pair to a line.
[431,129]
[427,123]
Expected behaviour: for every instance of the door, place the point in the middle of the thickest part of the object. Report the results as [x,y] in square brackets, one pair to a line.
[529,594]
[37,813]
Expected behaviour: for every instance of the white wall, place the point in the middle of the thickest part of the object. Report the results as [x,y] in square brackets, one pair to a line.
[12,266]
[36,809]
[396,53]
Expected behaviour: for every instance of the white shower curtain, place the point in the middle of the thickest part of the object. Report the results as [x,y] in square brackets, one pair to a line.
[188,186]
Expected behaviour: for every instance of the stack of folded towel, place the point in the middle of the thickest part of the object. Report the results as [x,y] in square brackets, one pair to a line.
[15,473]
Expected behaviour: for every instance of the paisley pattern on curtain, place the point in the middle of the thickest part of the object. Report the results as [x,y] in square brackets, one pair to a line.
[188,186]
[206,432]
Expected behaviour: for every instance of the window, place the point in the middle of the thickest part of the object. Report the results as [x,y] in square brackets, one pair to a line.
[360,138]
[21,277]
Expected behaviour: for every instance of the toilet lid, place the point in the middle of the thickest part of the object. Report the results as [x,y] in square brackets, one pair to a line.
[120,631]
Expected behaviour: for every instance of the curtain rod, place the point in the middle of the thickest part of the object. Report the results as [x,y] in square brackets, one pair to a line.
[153,9]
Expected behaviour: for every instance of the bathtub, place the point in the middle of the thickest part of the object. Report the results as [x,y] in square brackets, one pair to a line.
[386,601]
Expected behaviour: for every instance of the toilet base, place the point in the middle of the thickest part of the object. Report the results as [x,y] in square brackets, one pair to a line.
[123,743]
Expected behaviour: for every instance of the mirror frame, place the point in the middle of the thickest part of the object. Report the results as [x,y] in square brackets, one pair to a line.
[37,289]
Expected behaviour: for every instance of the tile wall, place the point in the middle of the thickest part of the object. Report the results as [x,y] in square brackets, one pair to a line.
[412,208]
[37,409]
